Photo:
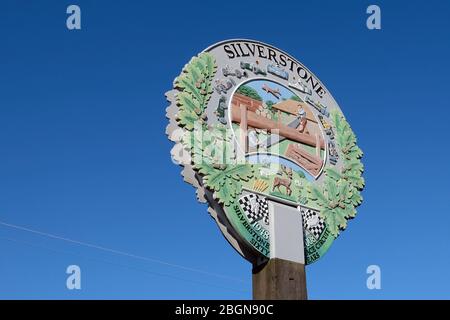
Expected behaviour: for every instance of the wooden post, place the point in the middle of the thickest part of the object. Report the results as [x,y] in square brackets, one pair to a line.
[279,279]
[244,127]
[318,146]
[283,276]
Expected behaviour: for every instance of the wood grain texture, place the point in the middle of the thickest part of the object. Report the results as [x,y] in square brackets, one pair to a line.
[256,121]
[279,279]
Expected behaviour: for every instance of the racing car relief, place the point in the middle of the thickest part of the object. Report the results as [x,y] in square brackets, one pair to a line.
[259,127]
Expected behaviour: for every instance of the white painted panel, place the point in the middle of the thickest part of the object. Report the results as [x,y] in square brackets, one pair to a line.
[286,233]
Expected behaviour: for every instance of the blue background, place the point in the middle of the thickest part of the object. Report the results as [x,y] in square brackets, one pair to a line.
[83,153]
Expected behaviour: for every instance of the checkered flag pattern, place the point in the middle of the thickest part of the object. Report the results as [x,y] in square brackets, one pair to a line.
[312,221]
[255,208]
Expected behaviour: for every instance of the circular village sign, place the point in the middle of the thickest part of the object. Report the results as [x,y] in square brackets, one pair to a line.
[268,148]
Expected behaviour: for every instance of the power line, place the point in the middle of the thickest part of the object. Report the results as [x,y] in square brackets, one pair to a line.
[124,266]
[118,252]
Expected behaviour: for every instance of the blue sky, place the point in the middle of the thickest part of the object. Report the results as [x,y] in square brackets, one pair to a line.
[258,86]
[84,155]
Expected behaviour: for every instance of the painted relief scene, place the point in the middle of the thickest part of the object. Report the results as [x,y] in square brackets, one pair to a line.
[268,118]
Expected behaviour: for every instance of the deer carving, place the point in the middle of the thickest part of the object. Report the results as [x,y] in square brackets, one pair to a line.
[285,182]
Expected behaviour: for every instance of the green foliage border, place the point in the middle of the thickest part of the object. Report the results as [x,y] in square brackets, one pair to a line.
[340,193]
[338,196]
[195,85]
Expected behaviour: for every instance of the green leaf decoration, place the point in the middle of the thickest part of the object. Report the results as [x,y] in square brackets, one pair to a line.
[341,190]
[195,73]
[188,104]
[227,182]
[241,172]
[356,199]
[215,179]
[187,84]
[333,174]
[350,212]
[336,119]
[195,88]
[353,165]
[355,180]
[228,192]
[340,216]
[206,170]
[334,220]
[213,152]
[209,63]
[316,194]
[354,153]
[344,192]
[187,120]
[210,148]
[332,190]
